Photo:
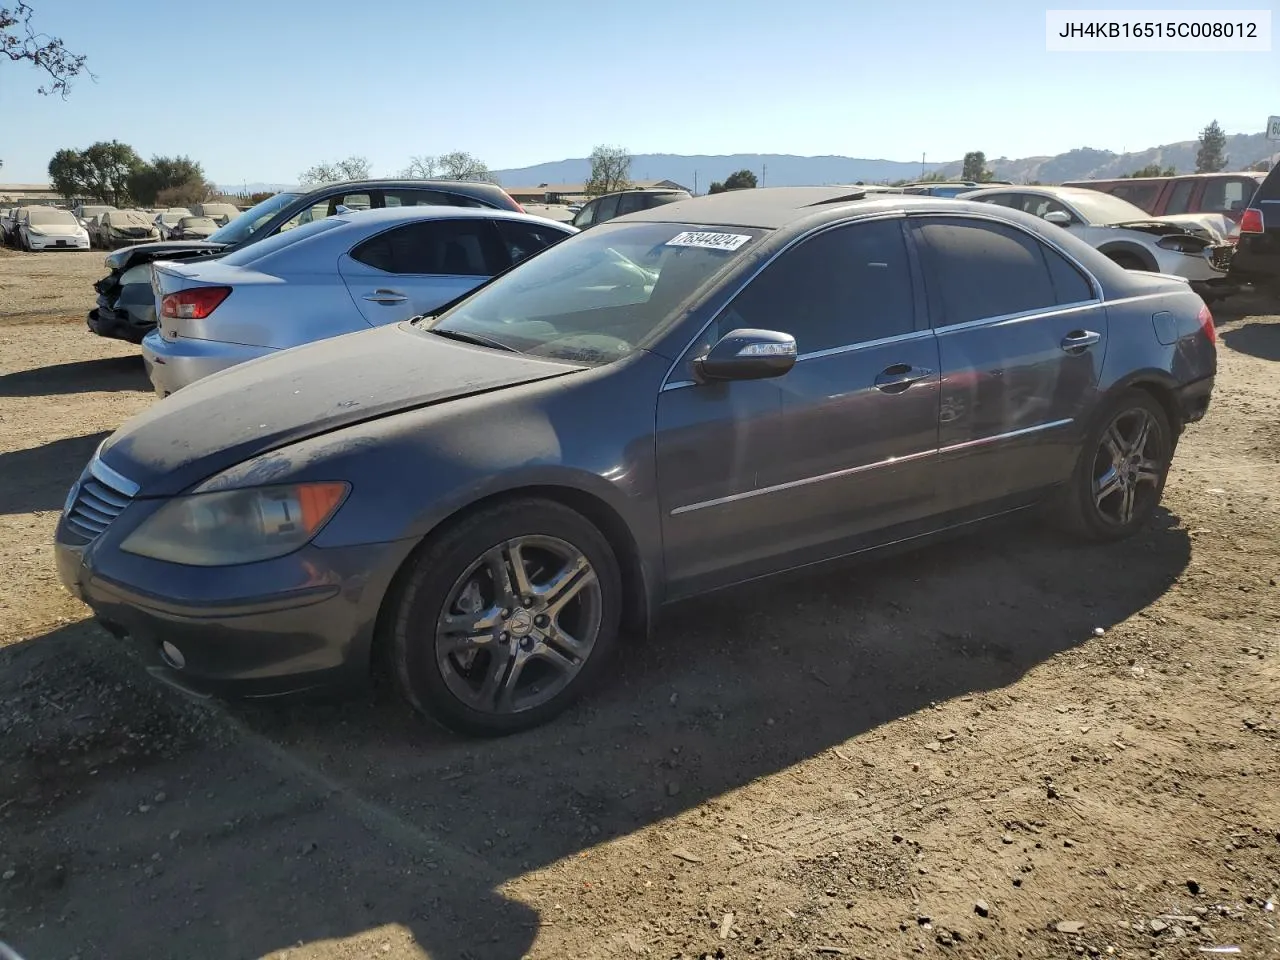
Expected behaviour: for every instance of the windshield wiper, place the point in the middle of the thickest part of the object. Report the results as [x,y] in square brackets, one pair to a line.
[473,338]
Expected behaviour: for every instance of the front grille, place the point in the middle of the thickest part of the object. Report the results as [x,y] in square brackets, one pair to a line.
[102,496]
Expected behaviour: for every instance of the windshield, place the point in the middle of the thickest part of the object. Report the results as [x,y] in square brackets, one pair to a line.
[173,216]
[285,238]
[206,222]
[245,225]
[598,296]
[51,217]
[1097,207]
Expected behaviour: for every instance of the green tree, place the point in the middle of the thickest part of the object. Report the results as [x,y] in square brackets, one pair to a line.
[610,170]
[1210,158]
[20,42]
[1152,170]
[186,193]
[739,180]
[975,167]
[163,174]
[99,172]
[352,168]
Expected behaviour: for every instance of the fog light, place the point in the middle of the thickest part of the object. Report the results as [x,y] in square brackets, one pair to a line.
[172,656]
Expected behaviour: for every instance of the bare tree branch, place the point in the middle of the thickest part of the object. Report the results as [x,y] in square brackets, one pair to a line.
[19,41]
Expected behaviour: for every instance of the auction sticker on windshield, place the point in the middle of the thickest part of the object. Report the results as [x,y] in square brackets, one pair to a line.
[714,241]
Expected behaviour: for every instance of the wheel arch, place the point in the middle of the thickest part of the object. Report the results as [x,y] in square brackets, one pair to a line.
[639,593]
[1159,384]
[1129,248]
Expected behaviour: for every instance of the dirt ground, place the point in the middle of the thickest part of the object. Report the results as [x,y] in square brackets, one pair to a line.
[1006,746]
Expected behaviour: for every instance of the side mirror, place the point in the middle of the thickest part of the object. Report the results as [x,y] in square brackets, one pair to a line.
[1058,218]
[748,355]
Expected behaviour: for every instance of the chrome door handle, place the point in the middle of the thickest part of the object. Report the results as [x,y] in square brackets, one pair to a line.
[899,377]
[1078,340]
[386,296]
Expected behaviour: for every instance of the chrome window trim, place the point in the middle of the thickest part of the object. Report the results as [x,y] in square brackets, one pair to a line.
[112,479]
[865,345]
[863,468]
[794,241]
[1024,315]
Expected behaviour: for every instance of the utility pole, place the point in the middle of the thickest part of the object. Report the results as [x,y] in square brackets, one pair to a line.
[922,156]
[695,183]
[764,168]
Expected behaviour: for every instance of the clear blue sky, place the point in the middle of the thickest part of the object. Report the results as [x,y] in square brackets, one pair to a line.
[258,91]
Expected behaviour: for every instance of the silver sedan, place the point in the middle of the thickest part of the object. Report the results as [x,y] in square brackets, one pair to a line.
[325,278]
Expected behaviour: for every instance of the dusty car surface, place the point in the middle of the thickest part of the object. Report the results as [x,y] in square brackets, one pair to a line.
[124,310]
[1193,246]
[327,278]
[166,221]
[121,228]
[701,394]
[220,213]
[194,228]
[47,228]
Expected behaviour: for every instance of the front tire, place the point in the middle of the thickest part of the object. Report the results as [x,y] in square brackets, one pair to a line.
[505,618]
[1120,475]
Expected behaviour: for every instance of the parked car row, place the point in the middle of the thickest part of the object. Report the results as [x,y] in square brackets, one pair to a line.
[126,307]
[489,496]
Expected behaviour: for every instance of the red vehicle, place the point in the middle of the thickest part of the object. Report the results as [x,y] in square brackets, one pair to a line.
[1224,193]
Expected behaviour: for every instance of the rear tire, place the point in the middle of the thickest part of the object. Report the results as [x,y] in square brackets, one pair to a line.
[505,618]
[1120,475]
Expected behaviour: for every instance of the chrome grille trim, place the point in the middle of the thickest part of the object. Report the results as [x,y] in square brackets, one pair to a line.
[102,496]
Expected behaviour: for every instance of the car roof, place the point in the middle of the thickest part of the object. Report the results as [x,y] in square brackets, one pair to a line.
[453,186]
[766,207]
[391,215]
[1066,193]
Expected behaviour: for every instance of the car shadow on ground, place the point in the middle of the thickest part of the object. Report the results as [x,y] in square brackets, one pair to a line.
[82,376]
[1260,340]
[407,825]
[26,484]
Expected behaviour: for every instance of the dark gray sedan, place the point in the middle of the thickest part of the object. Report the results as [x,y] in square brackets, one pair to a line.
[681,399]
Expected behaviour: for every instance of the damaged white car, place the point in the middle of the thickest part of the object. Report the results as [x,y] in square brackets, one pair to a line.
[1192,246]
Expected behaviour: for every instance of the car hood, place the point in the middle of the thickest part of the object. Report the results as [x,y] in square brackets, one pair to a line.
[59,229]
[141,253]
[1203,226]
[275,401]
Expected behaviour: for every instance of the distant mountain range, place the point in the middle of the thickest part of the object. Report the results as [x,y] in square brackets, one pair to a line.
[784,170]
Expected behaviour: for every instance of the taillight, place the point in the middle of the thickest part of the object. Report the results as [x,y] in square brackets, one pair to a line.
[1206,324]
[194,304]
[1251,221]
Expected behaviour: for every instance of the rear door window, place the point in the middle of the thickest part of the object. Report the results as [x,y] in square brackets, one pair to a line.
[1180,197]
[977,270]
[630,203]
[1142,195]
[426,198]
[608,208]
[1225,195]
[464,248]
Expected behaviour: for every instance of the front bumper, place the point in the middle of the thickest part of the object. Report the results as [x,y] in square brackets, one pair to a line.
[57,243]
[173,364]
[1199,268]
[297,623]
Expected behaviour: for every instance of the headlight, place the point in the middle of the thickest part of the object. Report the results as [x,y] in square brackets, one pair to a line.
[236,526]
[34,232]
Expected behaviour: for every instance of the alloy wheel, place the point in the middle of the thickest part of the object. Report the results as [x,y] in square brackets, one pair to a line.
[518,625]
[1128,467]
